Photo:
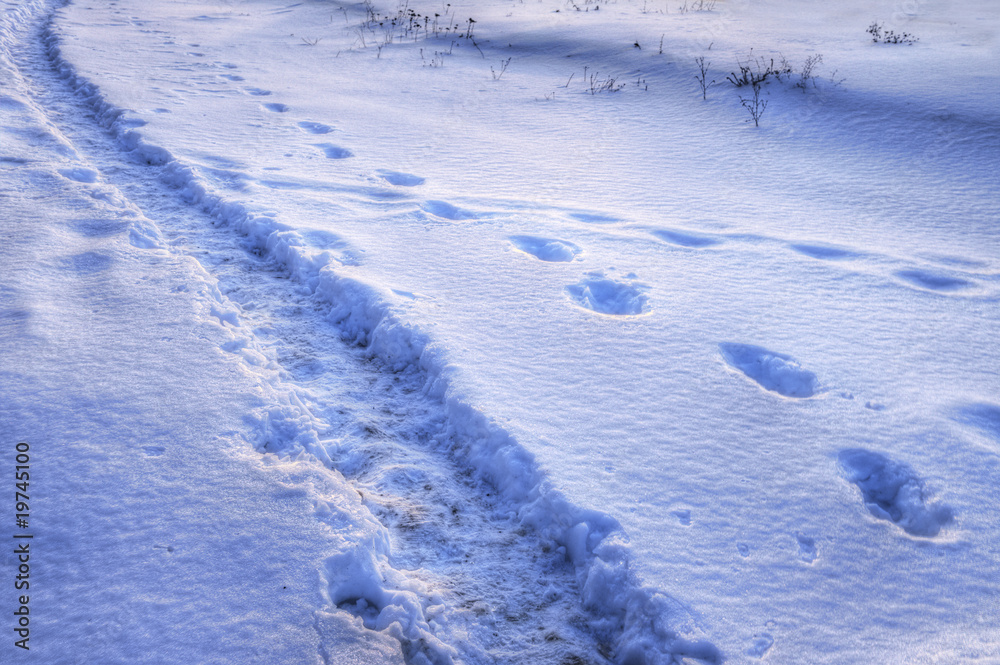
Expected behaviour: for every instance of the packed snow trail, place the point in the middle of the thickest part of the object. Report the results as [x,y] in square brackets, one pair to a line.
[158,534]
[467,574]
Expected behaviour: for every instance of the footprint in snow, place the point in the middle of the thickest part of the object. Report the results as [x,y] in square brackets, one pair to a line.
[401,179]
[334,152]
[257,92]
[607,296]
[807,548]
[932,281]
[315,127]
[775,372]
[892,491]
[446,210]
[685,239]
[762,642]
[276,108]
[546,249]
[824,252]
[232,77]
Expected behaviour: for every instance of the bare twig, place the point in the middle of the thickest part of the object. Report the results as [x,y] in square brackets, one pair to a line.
[702,76]
[755,106]
[503,68]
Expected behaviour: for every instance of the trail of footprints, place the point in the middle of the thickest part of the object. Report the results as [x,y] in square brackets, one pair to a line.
[597,292]
[435,509]
[890,490]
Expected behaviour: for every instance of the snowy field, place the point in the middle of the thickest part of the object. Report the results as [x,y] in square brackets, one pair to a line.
[533,331]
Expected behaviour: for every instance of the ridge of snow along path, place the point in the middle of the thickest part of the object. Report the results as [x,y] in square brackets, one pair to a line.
[463,311]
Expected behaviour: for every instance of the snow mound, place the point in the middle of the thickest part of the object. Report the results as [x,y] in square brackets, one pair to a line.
[546,249]
[385,600]
[607,296]
[892,491]
[776,372]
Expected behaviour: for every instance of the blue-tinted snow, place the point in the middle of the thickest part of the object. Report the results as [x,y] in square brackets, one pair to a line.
[736,504]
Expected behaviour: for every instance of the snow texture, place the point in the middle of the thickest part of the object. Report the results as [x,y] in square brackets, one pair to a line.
[446,346]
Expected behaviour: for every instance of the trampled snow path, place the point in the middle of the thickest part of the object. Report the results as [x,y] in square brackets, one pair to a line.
[158,534]
[465,579]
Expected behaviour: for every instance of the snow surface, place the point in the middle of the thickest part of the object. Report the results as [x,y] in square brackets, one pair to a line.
[506,347]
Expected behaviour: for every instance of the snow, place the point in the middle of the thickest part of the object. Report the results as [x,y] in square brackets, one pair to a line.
[607,296]
[546,249]
[773,371]
[158,535]
[893,492]
[505,368]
